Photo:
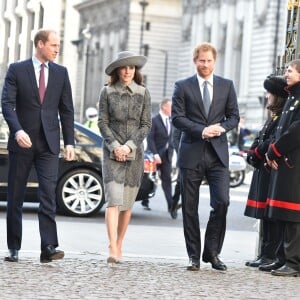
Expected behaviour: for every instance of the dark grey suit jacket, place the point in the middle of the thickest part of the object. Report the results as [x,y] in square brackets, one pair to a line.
[22,109]
[158,138]
[188,115]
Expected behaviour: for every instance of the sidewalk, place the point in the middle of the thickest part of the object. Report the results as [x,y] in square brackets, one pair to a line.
[86,276]
[149,271]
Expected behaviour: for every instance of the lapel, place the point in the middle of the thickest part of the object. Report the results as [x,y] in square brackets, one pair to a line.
[52,77]
[197,94]
[162,122]
[32,78]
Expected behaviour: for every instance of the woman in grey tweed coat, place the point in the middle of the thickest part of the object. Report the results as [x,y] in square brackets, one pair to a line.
[124,122]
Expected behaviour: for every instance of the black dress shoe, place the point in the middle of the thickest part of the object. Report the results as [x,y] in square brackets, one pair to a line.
[173,213]
[259,261]
[50,253]
[146,205]
[13,255]
[216,263]
[194,265]
[273,266]
[286,271]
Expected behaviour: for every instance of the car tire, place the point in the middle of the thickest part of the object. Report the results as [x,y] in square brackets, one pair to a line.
[236,178]
[80,193]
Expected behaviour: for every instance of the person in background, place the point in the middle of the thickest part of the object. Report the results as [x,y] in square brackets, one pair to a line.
[283,156]
[204,108]
[176,134]
[159,142]
[243,133]
[124,122]
[271,231]
[36,97]
[91,115]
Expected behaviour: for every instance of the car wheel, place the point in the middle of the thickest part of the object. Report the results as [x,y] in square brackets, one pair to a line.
[236,178]
[80,193]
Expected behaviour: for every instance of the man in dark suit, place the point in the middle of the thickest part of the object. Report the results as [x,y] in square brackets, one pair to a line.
[160,144]
[35,95]
[204,108]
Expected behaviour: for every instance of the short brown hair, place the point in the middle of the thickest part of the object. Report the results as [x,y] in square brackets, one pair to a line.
[296,64]
[164,102]
[42,35]
[204,47]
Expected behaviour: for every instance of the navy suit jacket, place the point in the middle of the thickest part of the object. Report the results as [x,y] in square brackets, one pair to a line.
[22,109]
[188,115]
[158,138]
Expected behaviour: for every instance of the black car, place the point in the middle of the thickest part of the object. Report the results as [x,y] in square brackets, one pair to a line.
[79,187]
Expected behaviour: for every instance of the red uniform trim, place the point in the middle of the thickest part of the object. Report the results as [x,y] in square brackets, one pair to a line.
[256,204]
[257,153]
[277,153]
[283,204]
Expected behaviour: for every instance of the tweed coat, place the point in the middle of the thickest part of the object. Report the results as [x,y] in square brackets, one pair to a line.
[258,192]
[124,118]
[284,193]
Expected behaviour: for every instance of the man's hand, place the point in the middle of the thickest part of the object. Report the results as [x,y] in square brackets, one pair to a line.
[23,139]
[212,131]
[69,153]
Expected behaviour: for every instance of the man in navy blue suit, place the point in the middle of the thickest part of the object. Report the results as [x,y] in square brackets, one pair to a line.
[36,97]
[160,144]
[204,108]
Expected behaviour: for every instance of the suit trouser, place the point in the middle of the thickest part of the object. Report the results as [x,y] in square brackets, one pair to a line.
[292,244]
[218,179]
[46,165]
[272,240]
[165,169]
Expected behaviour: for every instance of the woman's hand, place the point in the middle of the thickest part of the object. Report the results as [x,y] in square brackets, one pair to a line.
[122,152]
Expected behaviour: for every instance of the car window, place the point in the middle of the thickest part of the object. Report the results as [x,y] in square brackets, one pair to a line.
[82,138]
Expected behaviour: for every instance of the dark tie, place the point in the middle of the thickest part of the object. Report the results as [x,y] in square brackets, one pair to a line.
[206,97]
[42,86]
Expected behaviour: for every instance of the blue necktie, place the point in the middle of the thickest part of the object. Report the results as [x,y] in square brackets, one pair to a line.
[206,97]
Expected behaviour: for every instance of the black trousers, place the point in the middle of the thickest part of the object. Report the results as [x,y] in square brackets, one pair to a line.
[272,239]
[46,166]
[292,244]
[218,179]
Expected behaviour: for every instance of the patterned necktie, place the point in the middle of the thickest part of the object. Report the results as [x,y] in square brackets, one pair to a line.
[206,97]
[42,86]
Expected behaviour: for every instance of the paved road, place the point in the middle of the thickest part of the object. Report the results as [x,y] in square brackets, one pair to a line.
[154,261]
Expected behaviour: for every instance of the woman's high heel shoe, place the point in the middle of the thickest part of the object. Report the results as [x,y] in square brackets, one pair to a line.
[112,260]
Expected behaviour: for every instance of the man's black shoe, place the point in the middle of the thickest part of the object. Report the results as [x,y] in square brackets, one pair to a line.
[258,262]
[146,206]
[216,263]
[273,266]
[286,271]
[173,213]
[13,255]
[50,253]
[194,265]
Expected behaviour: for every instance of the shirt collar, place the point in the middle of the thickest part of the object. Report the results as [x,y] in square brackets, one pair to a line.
[37,63]
[132,87]
[209,80]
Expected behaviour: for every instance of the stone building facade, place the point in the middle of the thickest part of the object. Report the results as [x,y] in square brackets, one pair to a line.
[248,34]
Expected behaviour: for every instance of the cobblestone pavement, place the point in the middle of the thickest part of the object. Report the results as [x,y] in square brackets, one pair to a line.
[87,276]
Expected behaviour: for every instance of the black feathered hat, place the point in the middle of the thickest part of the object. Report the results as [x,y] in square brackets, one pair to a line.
[276,85]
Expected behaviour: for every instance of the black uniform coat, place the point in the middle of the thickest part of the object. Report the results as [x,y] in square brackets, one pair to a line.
[284,194]
[258,192]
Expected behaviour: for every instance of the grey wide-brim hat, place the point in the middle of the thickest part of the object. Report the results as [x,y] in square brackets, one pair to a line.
[126,58]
